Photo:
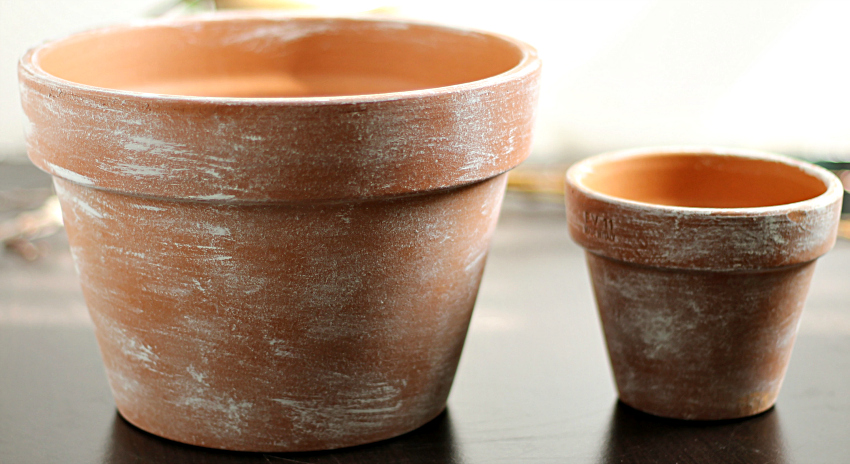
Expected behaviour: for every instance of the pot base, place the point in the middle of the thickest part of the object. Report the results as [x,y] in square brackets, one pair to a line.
[286,449]
[689,419]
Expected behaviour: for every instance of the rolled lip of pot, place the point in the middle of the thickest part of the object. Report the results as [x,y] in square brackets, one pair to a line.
[285,148]
[714,238]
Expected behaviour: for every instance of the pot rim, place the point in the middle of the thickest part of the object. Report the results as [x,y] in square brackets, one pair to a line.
[528,63]
[834,188]
[148,144]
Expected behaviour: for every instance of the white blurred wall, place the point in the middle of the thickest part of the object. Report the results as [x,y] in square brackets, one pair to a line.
[24,23]
[770,74]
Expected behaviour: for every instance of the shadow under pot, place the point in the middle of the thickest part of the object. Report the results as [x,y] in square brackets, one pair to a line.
[280,225]
[700,261]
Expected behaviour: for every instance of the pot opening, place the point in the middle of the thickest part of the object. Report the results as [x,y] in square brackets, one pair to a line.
[703,181]
[267,58]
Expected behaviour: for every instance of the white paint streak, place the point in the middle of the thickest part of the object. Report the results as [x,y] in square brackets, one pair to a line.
[140,171]
[69,175]
[258,38]
[131,347]
[147,207]
[154,146]
[75,199]
[197,376]
[216,196]
[216,230]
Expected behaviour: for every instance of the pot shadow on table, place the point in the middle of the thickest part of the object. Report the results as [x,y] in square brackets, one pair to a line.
[433,442]
[637,437]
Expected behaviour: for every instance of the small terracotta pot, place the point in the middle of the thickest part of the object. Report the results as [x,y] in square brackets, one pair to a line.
[700,261]
[280,225]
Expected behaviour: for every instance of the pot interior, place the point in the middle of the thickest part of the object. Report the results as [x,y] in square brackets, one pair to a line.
[702,181]
[268,58]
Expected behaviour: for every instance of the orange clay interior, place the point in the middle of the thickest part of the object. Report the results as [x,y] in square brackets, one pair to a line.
[262,58]
[703,181]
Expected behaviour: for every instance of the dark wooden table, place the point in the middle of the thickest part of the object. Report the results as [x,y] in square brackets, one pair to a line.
[533,384]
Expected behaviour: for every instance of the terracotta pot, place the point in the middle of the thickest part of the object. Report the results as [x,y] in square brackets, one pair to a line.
[700,261]
[280,225]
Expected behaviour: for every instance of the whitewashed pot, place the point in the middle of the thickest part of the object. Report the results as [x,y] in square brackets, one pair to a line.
[701,259]
[280,225]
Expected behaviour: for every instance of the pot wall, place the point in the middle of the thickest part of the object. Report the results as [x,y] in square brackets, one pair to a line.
[698,345]
[281,327]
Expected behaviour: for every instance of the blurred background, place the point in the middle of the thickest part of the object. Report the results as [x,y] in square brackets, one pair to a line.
[767,74]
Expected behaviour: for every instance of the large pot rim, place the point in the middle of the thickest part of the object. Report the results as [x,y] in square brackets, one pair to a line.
[528,62]
[187,147]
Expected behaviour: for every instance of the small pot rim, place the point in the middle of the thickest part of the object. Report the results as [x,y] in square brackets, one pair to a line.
[702,238]
[834,188]
[29,62]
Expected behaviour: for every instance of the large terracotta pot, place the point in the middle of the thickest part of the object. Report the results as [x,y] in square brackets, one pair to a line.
[700,261]
[280,225]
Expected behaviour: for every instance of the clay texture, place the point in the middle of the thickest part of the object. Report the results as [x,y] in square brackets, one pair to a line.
[280,225]
[700,261]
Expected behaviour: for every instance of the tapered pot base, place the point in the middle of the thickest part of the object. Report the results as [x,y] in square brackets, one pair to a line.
[698,345]
[284,449]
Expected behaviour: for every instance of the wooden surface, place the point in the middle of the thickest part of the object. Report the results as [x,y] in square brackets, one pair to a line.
[533,386]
